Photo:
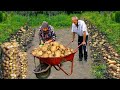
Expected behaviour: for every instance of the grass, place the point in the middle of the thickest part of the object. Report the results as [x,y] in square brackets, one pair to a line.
[99,71]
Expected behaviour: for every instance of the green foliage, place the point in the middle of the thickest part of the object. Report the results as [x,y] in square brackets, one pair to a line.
[99,71]
[117,17]
[113,16]
[1,16]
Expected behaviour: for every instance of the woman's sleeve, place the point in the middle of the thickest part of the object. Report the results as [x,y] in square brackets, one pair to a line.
[40,34]
[53,34]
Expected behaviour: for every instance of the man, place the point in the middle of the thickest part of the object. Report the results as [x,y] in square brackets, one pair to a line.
[79,27]
[46,33]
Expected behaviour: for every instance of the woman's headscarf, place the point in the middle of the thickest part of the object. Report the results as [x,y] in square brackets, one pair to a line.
[44,25]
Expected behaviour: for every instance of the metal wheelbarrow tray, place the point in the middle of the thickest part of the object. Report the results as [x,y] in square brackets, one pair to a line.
[56,61]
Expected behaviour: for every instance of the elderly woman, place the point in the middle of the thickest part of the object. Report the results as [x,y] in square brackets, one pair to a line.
[46,33]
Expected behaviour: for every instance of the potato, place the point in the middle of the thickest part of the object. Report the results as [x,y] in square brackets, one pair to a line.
[40,53]
[62,47]
[55,43]
[7,59]
[62,55]
[72,50]
[118,65]
[114,67]
[112,62]
[57,53]
[68,49]
[49,48]
[53,48]
[116,55]
[69,52]
[105,58]
[45,55]
[44,48]
[62,51]
[114,74]
[57,47]
[46,45]
[66,53]
[49,52]
[118,70]
[53,53]
[109,57]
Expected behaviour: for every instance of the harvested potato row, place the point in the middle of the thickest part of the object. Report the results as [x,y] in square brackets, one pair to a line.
[98,43]
[14,63]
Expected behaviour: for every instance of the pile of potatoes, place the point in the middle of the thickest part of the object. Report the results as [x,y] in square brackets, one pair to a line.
[114,68]
[27,36]
[24,37]
[14,61]
[23,64]
[53,49]
[112,61]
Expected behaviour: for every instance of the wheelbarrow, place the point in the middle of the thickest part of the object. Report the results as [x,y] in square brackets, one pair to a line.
[54,62]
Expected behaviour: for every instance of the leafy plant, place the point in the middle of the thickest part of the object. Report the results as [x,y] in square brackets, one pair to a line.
[99,71]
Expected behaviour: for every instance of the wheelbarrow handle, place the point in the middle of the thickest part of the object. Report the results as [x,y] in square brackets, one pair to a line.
[77,48]
[68,43]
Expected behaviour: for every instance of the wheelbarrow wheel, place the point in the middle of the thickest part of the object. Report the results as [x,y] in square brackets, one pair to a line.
[43,75]
[44,72]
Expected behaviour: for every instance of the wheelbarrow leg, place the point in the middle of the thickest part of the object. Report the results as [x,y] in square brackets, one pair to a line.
[65,71]
[58,69]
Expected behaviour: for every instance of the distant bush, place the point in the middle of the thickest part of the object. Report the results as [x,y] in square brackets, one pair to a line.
[1,17]
[117,17]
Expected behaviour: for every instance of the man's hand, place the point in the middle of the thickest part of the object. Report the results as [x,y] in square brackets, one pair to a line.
[83,43]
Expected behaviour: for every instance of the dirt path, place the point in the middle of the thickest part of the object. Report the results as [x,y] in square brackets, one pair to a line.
[81,70]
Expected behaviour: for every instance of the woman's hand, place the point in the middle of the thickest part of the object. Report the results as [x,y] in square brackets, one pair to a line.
[48,41]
